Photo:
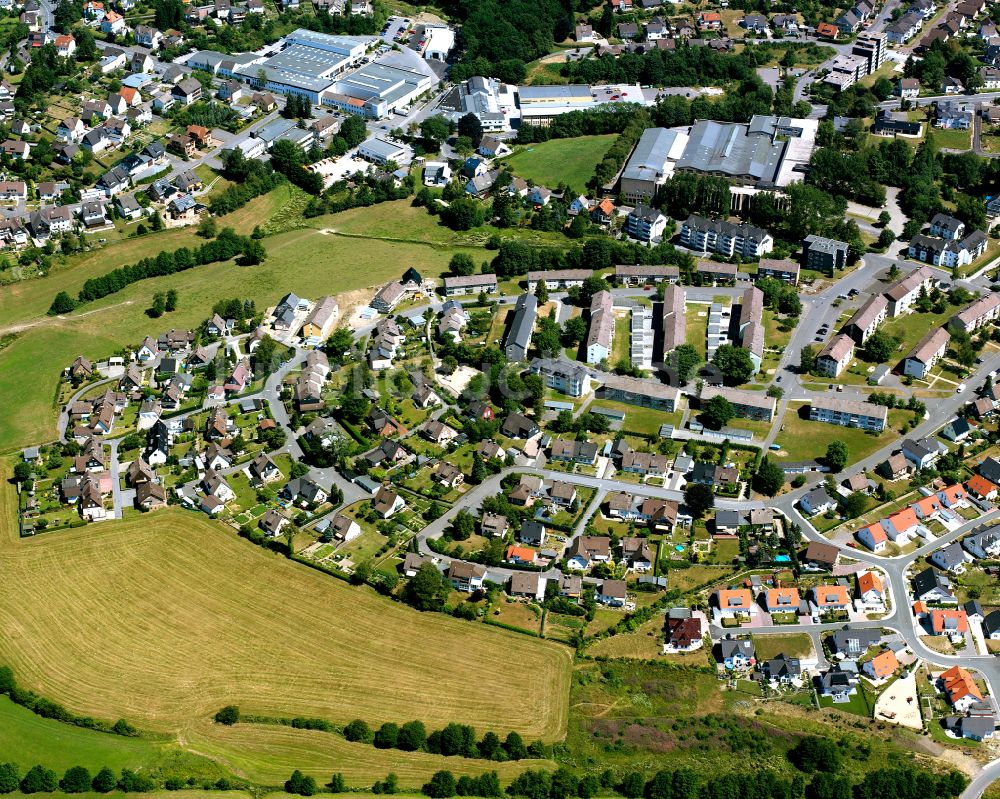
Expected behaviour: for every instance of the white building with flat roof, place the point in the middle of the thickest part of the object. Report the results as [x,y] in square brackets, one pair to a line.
[379,87]
[440,42]
[308,65]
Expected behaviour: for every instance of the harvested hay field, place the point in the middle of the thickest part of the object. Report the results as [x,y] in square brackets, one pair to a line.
[164,619]
[268,754]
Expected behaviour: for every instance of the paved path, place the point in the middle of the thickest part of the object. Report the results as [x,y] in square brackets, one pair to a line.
[117,495]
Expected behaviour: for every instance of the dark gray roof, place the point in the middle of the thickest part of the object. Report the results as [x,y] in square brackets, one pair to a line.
[753,150]
[854,642]
[929,579]
[524,322]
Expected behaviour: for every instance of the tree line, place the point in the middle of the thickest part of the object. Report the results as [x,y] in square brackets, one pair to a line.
[516,258]
[48,709]
[454,740]
[78,779]
[225,246]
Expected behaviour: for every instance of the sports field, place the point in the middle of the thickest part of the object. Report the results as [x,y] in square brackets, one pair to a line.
[569,161]
[162,622]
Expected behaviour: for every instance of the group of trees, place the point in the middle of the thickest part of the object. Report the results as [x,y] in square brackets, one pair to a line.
[686,193]
[803,211]
[252,178]
[297,107]
[942,60]
[498,37]
[46,69]
[163,303]
[455,740]
[211,114]
[370,189]
[76,779]
[225,246]
[291,160]
[845,168]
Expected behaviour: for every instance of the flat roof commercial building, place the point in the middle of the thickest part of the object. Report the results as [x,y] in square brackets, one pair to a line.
[307,66]
[652,162]
[767,151]
[380,151]
[381,87]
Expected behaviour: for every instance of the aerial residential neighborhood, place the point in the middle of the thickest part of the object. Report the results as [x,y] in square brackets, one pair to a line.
[392,394]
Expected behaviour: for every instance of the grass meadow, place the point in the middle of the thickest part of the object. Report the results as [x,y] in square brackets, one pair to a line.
[569,161]
[302,260]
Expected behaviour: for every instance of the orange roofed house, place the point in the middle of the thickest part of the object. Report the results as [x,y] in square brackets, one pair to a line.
[960,688]
[882,666]
[901,526]
[827,30]
[947,621]
[781,600]
[710,21]
[524,555]
[735,601]
[830,597]
[873,537]
[603,212]
[980,487]
[870,589]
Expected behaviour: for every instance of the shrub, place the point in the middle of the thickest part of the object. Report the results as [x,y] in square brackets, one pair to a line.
[39,780]
[357,730]
[10,777]
[229,715]
[387,736]
[76,780]
[441,785]
[104,781]
[300,784]
[132,782]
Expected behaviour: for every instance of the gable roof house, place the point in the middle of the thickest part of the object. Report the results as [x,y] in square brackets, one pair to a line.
[387,502]
[933,587]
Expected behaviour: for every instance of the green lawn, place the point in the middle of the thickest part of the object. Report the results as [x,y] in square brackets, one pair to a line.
[802,439]
[909,329]
[645,421]
[860,704]
[569,161]
[621,345]
[952,139]
[27,739]
[696,330]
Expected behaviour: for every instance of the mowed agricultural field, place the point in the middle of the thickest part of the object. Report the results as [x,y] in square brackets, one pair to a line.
[163,620]
[569,161]
[304,261]
[268,754]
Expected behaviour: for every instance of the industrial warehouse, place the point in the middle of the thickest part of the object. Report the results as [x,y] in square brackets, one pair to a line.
[318,66]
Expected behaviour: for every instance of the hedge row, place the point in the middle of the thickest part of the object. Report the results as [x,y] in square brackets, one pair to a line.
[48,709]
